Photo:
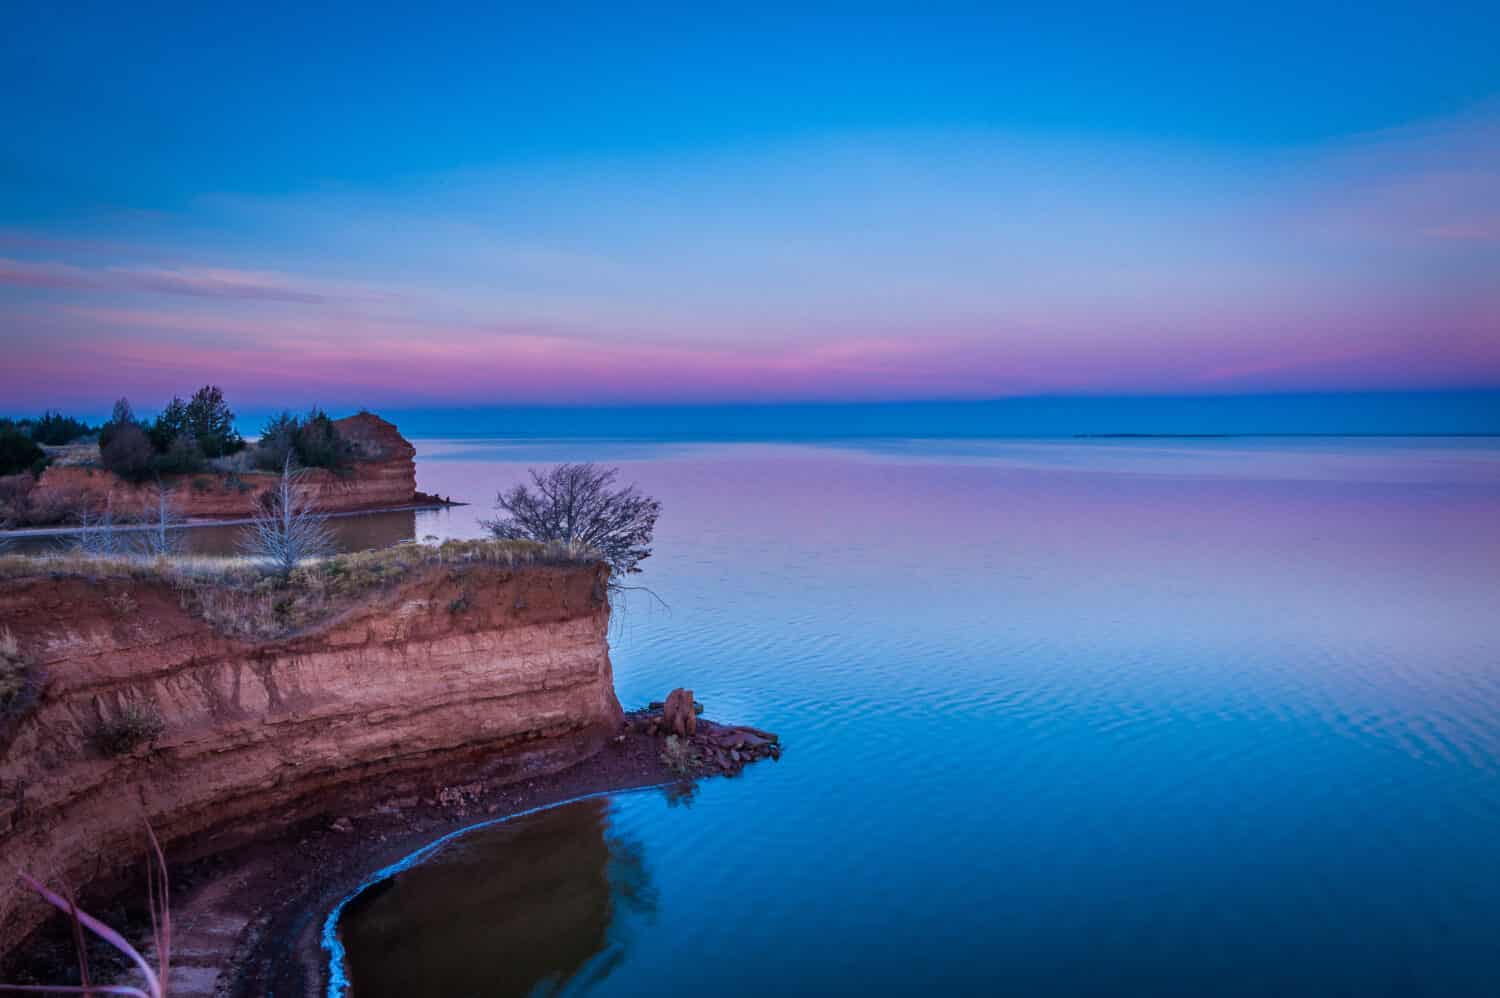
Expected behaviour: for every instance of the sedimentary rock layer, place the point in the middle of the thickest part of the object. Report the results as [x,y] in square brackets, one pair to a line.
[453,663]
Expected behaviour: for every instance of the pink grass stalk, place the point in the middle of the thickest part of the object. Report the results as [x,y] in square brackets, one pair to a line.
[157,903]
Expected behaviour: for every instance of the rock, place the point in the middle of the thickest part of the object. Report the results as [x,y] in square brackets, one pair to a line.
[678,715]
[343,825]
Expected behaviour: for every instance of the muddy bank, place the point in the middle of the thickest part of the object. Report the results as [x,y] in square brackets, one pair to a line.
[279,950]
[248,918]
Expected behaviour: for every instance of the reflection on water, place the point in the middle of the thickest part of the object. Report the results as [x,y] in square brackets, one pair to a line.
[1062,718]
[531,906]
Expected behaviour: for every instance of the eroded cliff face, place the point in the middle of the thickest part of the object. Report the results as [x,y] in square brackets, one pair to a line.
[452,666]
[383,477]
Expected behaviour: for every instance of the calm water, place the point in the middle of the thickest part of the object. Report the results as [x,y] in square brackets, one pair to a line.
[1063,718]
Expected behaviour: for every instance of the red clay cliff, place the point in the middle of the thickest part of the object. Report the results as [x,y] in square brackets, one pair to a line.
[448,666]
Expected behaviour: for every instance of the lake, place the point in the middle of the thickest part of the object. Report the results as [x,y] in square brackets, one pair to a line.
[1101,717]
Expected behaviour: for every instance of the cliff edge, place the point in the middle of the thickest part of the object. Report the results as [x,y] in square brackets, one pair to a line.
[455,660]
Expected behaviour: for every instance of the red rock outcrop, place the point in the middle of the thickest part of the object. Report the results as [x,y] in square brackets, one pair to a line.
[678,715]
[452,667]
[385,475]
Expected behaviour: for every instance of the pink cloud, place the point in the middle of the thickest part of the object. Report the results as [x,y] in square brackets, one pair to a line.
[338,357]
[1362,267]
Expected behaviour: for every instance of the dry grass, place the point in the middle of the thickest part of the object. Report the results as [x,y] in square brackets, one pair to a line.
[79,454]
[246,599]
[270,606]
[137,723]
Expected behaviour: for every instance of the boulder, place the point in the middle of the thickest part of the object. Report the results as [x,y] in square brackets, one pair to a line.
[678,715]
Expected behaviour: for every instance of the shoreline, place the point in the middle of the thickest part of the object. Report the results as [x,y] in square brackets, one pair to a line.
[250,920]
[282,947]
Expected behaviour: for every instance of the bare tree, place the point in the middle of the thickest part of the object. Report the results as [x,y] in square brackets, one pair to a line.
[575,504]
[287,530]
[163,536]
[98,534]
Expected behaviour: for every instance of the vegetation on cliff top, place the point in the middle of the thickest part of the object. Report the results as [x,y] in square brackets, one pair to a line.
[312,441]
[182,439]
[577,504]
[19,453]
[195,437]
[244,598]
[21,441]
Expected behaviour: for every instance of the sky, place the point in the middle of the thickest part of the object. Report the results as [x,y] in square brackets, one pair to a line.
[429,205]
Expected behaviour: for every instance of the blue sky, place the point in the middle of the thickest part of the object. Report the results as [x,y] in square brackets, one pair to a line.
[493,206]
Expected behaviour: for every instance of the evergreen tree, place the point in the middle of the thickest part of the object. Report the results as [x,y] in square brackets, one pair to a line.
[211,422]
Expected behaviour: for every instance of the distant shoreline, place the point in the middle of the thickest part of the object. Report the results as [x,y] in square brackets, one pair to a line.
[828,437]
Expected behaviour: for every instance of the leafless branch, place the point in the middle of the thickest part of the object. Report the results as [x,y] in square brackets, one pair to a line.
[98,534]
[163,537]
[287,530]
[575,504]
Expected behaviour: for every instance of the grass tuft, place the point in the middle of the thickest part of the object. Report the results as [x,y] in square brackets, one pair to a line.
[137,724]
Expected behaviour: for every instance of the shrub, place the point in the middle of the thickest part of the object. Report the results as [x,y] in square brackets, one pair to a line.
[183,457]
[321,445]
[574,504]
[54,429]
[312,442]
[128,453]
[15,499]
[138,723]
[19,453]
[278,441]
[678,755]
